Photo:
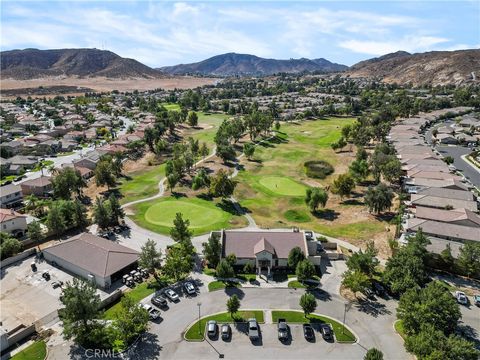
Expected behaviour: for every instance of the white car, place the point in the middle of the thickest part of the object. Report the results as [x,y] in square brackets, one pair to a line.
[189,288]
[172,295]
[152,312]
[461,297]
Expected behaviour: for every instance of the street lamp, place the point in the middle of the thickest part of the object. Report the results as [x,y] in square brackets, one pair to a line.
[199,304]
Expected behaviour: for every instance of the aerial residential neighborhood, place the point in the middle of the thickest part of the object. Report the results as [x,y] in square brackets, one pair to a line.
[277,180]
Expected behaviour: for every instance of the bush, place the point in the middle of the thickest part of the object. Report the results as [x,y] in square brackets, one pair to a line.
[318,169]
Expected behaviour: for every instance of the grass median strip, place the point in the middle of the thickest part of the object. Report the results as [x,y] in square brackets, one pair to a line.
[218,285]
[197,331]
[341,334]
[36,351]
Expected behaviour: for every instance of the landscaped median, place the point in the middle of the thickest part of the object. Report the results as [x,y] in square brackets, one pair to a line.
[196,331]
[342,334]
[218,285]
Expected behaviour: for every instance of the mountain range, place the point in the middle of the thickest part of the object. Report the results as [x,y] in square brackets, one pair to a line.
[243,64]
[34,63]
[432,68]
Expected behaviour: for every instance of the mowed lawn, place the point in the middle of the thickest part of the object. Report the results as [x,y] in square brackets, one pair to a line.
[35,351]
[142,184]
[203,215]
[273,186]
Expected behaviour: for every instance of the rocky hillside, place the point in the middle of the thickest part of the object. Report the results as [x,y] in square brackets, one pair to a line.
[242,64]
[34,64]
[430,68]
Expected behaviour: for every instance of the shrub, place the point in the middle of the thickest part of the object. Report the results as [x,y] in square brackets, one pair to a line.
[318,169]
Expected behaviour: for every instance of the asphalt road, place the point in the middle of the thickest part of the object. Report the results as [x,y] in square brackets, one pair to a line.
[456,152]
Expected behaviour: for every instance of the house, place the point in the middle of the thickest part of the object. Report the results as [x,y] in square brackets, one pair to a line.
[12,222]
[442,202]
[443,230]
[265,250]
[12,147]
[448,193]
[20,163]
[93,258]
[40,187]
[447,139]
[89,161]
[458,216]
[10,196]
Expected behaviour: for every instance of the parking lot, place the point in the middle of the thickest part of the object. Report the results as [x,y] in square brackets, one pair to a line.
[26,296]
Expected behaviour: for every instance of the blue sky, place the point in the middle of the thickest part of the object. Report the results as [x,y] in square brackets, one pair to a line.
[161,33]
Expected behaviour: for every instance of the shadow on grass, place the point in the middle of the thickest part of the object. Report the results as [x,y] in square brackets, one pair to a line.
[178,195]
[326,214]
[233,208]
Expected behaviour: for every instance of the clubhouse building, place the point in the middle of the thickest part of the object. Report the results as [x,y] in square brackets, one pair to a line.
[266,250]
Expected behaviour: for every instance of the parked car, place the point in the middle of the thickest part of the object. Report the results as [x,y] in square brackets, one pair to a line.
[153,313]
[282,329]
[476,299]
[159,301]
[253,331]
[172,295]
[212,328]
[461,297]
[327,332]
[189,288]
[226,332]
[18,178]
[308,332]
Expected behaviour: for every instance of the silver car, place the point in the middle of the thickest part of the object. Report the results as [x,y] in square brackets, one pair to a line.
[212,328]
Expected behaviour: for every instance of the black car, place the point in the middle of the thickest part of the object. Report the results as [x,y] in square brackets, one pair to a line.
[226,332]
[159,301]
[308,332]
[327,332]
[8,182]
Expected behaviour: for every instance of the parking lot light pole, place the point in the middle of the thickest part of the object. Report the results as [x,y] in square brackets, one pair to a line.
[199,304]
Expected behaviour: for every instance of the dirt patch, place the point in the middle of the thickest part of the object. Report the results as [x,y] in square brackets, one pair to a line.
[101,84]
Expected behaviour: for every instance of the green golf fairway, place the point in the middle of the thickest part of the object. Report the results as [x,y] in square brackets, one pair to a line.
[282,185]
[200,215]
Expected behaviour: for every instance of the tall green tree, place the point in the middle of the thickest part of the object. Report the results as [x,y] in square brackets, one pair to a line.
[305,270]
[177,263]
[35,232]
[433,304]
[192,118]
[295,256]
[212,250]
[130,320]
[248,150]
[67,182]
[81,311]
[356,281]
[308,303]
[101,214]
[233,304]
[379,198]
[316,197]
[150,257]
[364,261]
[104,174]
[115,210]
[469,258]
[221,185]
[224,270]
[55,220]
[9,246]
[343,185]
[180,231]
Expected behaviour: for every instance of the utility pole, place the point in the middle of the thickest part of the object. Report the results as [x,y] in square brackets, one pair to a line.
[345,309]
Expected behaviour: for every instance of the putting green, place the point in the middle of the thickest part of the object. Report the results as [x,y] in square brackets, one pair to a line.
[200,213]
[283,185]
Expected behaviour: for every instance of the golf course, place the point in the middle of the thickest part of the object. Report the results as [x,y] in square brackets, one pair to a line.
[272,187]
[203,215]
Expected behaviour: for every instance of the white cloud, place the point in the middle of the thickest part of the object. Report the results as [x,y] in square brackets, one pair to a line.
[410,44]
